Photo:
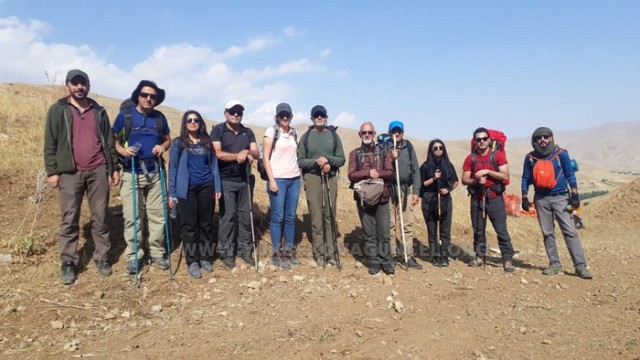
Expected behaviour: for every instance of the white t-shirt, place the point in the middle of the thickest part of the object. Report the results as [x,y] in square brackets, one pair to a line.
[284,157]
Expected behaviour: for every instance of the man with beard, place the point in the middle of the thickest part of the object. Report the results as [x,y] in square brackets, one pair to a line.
[79,158]
[552,200]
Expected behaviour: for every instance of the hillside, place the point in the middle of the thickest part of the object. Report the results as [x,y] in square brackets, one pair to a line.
[450,313]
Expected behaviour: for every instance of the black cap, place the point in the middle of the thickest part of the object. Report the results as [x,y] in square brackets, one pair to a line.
[136,93]
[283,107]
[75,72]
[318,109]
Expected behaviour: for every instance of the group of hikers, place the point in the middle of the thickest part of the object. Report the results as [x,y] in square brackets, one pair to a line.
[85,153]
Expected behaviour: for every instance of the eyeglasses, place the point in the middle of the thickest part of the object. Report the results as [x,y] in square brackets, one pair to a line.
[319,114]
[481,139]
[78,82]
[284,114]
[237,113]
[145,95]
[437,148]
[367,132]
[542,137]
[193,120]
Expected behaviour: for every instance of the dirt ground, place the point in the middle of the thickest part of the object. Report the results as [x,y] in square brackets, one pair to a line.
[452,313]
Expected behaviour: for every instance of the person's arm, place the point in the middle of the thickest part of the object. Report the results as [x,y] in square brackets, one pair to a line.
[174,161]
[304,162]
[338,159]
[415,171]
[50,150]
[356,175]
[527,170]
[467,178]
[387,173]
[217,182]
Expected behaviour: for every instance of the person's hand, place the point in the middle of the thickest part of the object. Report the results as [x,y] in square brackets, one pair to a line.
[444,191]
[217,196]
[482,180]
[53,181]
[326,168]
[158,150]
[414,199]
[482,173]
[273,187]
[373,173]
[321,161]
[173,202]
[394,154]
[438,174]
[115,178]
[574,200]
[242,156]
[526,205]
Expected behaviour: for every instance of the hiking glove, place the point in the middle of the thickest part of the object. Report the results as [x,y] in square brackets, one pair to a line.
[574,200]
[525,204]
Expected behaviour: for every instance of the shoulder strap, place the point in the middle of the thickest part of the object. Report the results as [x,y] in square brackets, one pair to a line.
[128,121]
[305,141]
[359,158]
[276,136]
[410,150]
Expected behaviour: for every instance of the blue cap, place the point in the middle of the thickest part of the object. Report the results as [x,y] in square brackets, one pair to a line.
[396,124]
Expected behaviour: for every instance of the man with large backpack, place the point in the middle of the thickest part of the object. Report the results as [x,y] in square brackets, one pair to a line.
[405,163]
[142,132]
[548,168]
[320,155]
[484,171]
[371,172]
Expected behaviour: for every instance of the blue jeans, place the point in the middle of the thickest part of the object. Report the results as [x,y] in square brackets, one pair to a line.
[283,211]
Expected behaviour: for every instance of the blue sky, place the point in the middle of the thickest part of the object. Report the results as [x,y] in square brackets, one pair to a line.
[442,67]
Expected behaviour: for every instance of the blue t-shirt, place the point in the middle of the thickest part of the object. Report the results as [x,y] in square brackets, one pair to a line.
[199,169]
[143,133]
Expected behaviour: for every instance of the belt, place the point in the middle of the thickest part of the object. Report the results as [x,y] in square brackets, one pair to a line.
[557,193]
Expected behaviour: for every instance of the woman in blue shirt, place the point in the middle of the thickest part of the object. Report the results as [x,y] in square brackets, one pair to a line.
[194,185]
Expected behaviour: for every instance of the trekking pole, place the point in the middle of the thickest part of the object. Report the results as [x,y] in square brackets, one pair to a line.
[438,224]
[484,225]
[167,231]
[323,181]
[332,218]
[400,208]
[134,191]
[253,233]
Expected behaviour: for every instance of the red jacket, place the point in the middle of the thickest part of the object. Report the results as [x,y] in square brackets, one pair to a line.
[371,157]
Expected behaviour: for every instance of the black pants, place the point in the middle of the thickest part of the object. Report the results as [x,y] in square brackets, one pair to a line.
[430,215]
[196,217]
[375,226]
[494,210]
[234,207]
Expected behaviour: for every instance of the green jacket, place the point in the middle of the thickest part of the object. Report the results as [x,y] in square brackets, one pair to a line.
[409,168]
[58,157]
[320,144]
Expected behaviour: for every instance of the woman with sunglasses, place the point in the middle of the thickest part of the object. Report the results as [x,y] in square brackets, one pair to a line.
[438,178]
[194,185]
[280,160]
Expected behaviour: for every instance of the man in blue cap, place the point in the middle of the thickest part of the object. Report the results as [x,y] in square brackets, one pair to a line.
[409,171]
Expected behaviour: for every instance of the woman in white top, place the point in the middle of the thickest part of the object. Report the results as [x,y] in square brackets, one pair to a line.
[280,162]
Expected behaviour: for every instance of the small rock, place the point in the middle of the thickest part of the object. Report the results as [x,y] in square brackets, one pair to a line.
[386,280]
[359,333]
[523,330]
[255,285]
[494,250]
[491,348]
[298,278]
[223,313]
[212,281]
[358,265]
[5,258]
[21,308]
[546,342]
[523,281]
[263,280]
[156,308]
[125,314]
[369,304]
[98,294]
[353,293]
[535,281]
[57,325]
[8,309]
[389,298]
[283,279]
[398,306]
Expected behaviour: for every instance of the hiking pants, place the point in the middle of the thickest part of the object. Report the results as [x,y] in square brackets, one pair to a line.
[322,241]
[283,212]
[438,227]
[149,200]
[495,211]
[550,207]
[397,246]
[375,227]
[234,207]
[72,188]
[196,218]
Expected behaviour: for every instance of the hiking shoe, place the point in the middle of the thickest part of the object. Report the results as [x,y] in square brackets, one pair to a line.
[104,268]
[319,262]
[278,260]
[552,270]
[194,270]
[248,259]
[413,264]
[229,262]
[443,261]
[581,271]
[477,262]
[290,256]
[67,273]
[508,266]
[131,267]
[161,262]
[388,269]
[374,269]
[206,266]
[332,262]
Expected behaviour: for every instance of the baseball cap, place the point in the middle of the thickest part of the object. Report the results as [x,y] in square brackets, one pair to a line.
[283,107]
[396,124]
[75,72]
[231,103]
[318,109]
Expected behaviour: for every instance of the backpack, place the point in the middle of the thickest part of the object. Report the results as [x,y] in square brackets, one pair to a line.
[305,138]
[276,136]
[497,142]
[544,174]
[126,107]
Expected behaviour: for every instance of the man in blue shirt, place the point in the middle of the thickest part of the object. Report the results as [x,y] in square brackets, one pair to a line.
[147,140]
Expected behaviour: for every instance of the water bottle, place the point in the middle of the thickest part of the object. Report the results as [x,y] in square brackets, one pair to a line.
[173,212]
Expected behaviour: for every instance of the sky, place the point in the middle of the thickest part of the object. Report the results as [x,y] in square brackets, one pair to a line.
[444,68]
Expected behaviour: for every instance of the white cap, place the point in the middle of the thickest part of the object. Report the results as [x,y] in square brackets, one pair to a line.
[232,103]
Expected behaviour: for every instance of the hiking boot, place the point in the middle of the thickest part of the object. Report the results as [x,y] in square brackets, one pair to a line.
[160,262]
[332,262]
[229,262]
[552,270]
[508,266]
[319,262]
[290,255]
[194,270]
[67,273]
[388,269]
[248,259]
[131,267]
[413,264]
[205,265]
[581,271]
[278,260]
[443,261]
[374,269]
[104,268]
[477,262]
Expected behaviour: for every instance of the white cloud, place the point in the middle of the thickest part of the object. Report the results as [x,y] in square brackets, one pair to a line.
[253,45]
[325,53]
[292,31]
[345,119]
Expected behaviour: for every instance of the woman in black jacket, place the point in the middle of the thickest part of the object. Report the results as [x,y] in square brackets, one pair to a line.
[438,180]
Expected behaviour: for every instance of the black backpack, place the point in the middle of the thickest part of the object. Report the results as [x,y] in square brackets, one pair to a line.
[276,136]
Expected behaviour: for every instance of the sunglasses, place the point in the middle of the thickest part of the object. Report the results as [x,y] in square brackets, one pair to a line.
[193,120]
[367,133]
[237,113]
[78,82]
[284,114]
[145,95]
[319,114]
[437,148]
[481,139]
[542,137]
